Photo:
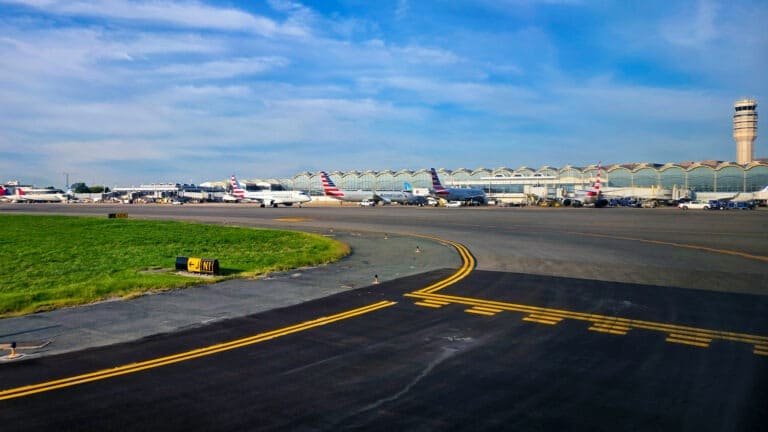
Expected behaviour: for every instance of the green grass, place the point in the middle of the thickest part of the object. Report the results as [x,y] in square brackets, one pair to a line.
[47,262]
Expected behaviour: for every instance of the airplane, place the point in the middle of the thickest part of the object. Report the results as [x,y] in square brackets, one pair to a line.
[591,196]
[383,196]
[404,196]
[33,195]
[267,197]
[455,194]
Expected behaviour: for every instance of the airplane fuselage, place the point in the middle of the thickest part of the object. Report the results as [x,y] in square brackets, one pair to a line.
[273,198]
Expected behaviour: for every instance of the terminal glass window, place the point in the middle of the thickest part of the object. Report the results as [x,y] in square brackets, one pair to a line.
[477,175]
[316,185]
[757,178]
[301,182]
[671,177]
[422,179]
[365,181]
[459,175]
[730,179]
[620,177]
[401,178]
[502,172]
[701,179]
[549,172]
[570,175]
[386,181]
[645,177]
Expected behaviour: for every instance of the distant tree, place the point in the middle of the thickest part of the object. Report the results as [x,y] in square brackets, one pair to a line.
[80,188]
[96,189]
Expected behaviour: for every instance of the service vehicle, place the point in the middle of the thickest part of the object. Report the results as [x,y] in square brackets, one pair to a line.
[694,205]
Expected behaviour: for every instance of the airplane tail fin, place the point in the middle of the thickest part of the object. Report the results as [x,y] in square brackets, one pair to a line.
[597,180]
[329,188]
[407,187]
[3,191]
[237,191]
[437,187]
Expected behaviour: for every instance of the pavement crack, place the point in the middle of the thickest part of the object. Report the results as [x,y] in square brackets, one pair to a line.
[444,355]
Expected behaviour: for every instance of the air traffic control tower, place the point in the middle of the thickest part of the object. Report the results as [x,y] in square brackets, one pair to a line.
[745,129]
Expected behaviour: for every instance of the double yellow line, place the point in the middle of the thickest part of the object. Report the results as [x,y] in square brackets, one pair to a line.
[188,355]
[467,265]
[600,323]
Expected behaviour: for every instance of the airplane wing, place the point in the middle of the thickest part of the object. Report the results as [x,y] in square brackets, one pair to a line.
[379,198]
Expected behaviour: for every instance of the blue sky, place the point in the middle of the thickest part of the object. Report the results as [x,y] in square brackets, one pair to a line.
[123,92]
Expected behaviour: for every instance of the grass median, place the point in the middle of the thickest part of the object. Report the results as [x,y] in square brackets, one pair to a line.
[48,262]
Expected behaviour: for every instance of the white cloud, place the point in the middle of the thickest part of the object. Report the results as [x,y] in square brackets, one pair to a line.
[693,27]
[188,14]
[223,69]
[402,9]
[417,54]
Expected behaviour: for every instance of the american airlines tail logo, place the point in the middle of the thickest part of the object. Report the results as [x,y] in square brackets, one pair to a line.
[329,188]
[436,186]
[597,182]
[237,191]
[595,191]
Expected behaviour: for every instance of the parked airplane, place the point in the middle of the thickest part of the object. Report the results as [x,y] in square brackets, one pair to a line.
[384,196]
[24,194]
[455,194]
[591,196]
[267,197]
[404,196]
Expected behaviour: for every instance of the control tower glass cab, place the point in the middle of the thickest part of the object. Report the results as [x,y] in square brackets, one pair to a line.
[745,129]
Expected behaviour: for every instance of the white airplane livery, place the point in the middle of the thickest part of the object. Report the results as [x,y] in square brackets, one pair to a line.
[267,197]
[24,194]
[455,194]
[383,196]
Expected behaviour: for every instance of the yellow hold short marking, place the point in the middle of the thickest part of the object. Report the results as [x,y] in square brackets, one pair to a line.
[427,304]
[685,341]
[541,320]
[479,312]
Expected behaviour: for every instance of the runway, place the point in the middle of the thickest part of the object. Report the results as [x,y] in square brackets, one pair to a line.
[579,319]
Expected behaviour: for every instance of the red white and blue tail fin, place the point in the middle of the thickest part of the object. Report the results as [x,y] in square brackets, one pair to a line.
[597,181]
[595,190]
[437,187]
[237,191]
[329,188]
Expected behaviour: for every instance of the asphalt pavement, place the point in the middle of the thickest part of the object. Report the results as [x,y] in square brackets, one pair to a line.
[375,257]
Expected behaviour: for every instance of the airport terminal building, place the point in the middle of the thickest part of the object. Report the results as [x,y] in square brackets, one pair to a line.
[674,180]
[687,177]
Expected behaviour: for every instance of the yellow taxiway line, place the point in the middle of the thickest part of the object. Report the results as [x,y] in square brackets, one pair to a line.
[680,245]
[686,335]
[468,263]
[188,355]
